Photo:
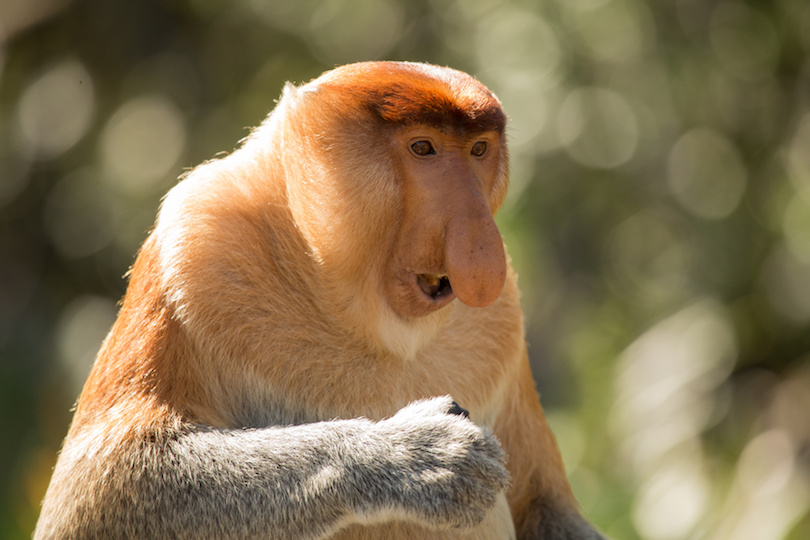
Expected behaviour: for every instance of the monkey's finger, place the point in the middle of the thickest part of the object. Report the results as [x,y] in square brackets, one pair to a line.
[455,408]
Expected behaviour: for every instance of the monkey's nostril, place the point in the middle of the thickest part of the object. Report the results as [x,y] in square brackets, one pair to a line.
[444,286]
[434,285]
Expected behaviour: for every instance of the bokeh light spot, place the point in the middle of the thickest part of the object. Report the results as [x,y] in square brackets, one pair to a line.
[142,142]
[784,278]
[513,41]
[649,261]
[766,463]
[672,500]
[796,228]
[613,30]
[81,215]
[598,127]
[706,174]
[56,110]
[744,41]
[351,30]
[665,381]
[283,15]
[798,156]
[82,327]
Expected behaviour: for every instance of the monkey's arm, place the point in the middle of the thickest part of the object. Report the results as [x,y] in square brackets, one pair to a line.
[295,482]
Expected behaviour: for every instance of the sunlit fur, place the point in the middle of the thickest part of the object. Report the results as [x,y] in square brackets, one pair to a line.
[263,298]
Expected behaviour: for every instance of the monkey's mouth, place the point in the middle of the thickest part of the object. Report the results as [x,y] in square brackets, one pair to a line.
[436,286]
[415,294]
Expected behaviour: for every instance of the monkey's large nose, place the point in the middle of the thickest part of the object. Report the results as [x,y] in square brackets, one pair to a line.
[474,256]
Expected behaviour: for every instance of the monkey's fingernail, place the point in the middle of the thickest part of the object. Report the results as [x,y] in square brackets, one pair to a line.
[455,408]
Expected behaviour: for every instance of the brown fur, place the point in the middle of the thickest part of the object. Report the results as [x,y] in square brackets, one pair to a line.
[275,286]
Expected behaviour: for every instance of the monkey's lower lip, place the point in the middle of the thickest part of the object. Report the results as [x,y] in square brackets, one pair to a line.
[436,286]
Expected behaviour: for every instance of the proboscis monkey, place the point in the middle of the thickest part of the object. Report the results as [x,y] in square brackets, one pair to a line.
[293,328]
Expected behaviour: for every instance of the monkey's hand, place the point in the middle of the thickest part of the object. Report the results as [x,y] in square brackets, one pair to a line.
[439,468]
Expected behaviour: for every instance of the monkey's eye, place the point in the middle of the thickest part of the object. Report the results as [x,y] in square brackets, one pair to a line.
[422,148]
[479,149]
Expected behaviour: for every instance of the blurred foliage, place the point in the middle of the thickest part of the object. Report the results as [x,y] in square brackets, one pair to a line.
[659,217]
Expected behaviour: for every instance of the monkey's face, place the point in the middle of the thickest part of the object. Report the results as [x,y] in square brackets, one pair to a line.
[396,174]
[447,244]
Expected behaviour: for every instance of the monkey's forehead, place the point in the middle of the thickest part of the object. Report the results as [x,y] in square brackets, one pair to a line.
[406,93]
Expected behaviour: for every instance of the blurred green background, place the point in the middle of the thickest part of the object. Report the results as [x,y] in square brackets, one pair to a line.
[659,217]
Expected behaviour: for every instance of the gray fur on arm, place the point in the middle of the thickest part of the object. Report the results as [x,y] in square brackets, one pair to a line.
[297,482]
